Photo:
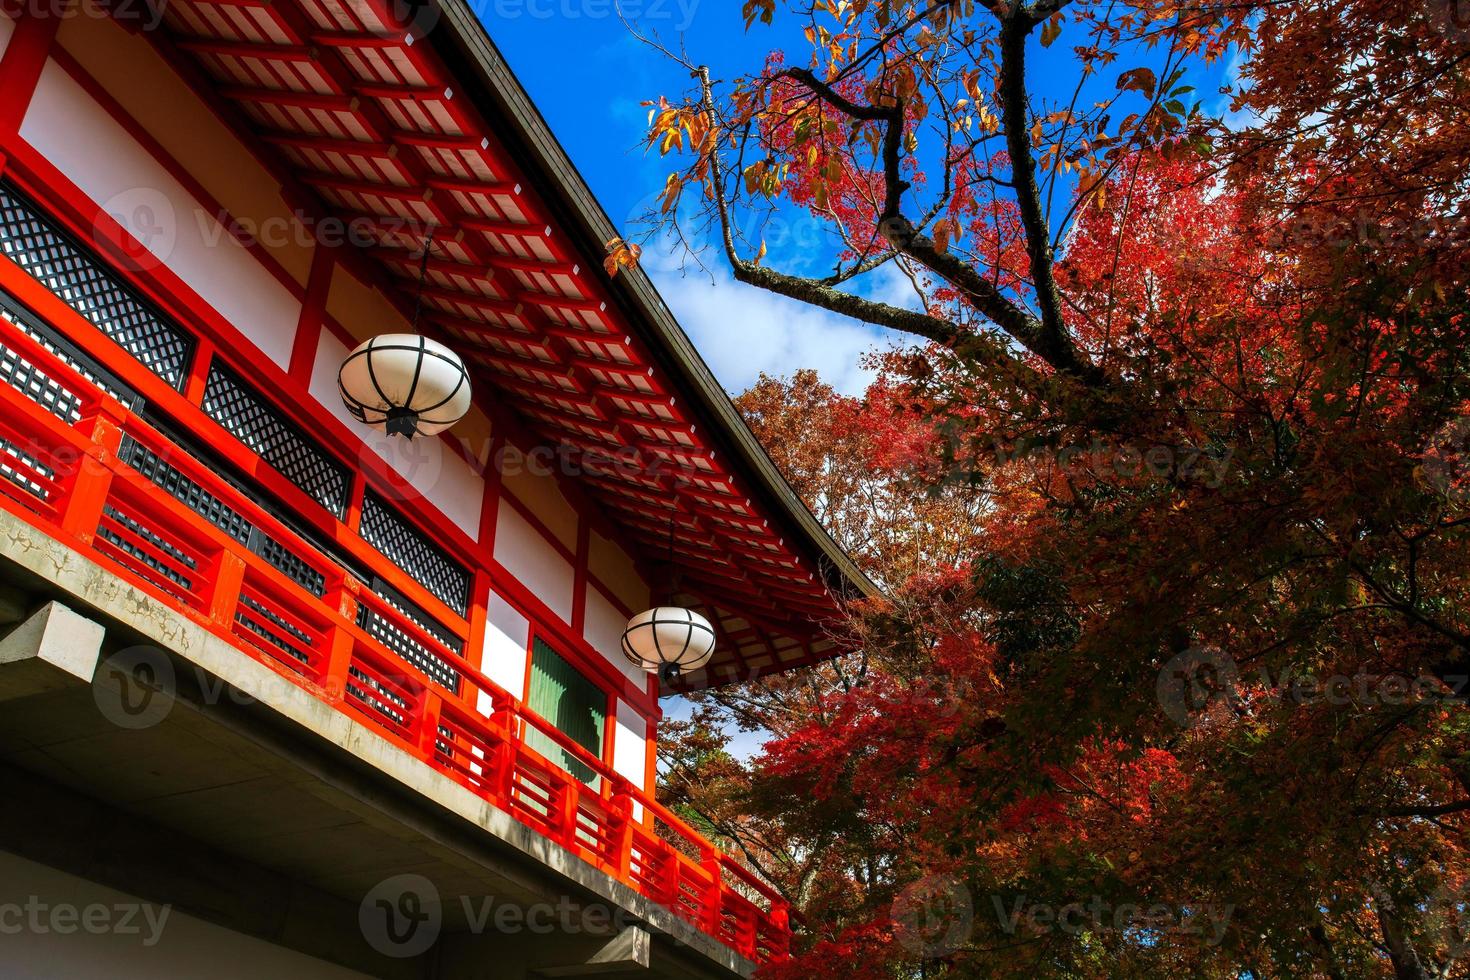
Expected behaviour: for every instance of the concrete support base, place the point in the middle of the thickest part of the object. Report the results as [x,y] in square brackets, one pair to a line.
[53,649]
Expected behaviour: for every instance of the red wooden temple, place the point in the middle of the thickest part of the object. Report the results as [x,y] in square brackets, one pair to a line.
[250,635]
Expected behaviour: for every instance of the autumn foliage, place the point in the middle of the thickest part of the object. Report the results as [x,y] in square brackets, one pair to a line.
[1171,502]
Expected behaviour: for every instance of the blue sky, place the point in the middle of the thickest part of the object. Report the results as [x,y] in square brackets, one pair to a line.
[588,75]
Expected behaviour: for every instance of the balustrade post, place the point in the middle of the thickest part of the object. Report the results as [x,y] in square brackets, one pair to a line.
[340,643]
[667,886]
[781,925]
[620,830]
[570,792]
[92,480]
[430,704]
[714,895]
[224,596]
[747,925]
[503,760]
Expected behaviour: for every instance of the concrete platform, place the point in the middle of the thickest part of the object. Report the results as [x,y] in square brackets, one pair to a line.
[143,754]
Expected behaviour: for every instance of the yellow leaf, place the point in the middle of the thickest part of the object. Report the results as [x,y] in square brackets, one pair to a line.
[670,197]
[620,255]
[945,231]
[1051,30]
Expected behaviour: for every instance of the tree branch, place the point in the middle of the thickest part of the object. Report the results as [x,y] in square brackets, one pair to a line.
[1053,341]
[1051,345]
[968,344]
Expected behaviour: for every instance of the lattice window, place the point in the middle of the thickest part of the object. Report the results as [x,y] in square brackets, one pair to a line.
[38,386]
[78,279]
[154,539]
[18,372]
[406,646]
[412,550]
[288,563]
[173,482]
[270,627]
[22,475]
[377,696]
[279,442]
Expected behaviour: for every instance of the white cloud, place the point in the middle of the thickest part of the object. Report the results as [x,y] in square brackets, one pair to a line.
[742,331]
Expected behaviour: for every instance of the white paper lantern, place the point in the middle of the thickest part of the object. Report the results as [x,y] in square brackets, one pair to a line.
[668,640]
[405,384]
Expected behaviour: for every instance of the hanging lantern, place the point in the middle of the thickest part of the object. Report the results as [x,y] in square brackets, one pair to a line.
[668,640]
[405,384]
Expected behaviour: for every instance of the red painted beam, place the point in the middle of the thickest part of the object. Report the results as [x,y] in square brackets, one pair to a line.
[286,97]
[20,68]
[367,188]
[489,188]
[245,49]
[329,144]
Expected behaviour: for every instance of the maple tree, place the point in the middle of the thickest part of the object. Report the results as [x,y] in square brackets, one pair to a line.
[1187,698]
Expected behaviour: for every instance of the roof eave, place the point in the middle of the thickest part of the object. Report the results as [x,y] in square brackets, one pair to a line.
[460,38]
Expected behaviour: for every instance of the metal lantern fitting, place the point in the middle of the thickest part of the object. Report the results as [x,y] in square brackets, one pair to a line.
[668,640]
[405,384]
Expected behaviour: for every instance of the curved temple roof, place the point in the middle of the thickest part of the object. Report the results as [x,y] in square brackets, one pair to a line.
[407,127]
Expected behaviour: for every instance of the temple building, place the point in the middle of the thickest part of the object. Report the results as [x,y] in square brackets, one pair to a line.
[287,694]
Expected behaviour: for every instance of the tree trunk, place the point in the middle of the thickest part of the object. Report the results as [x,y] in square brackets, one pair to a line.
[1405,959]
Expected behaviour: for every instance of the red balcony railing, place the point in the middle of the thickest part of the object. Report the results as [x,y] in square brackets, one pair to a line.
[67,471]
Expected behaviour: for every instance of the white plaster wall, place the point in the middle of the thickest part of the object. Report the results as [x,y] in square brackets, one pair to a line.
[533,561]
[428,465]
[84,142]
[630,745]
[507,635]
[603,627]
[184,946]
